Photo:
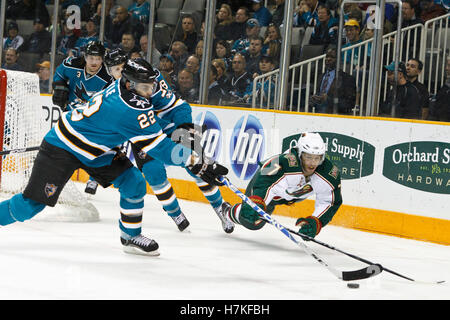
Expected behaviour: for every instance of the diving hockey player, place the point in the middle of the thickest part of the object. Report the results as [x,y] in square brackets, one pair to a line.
[172,113]
[292,177]
[84,138]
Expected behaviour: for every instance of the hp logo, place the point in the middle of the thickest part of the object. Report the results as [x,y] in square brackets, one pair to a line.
[246,146]
[212,138]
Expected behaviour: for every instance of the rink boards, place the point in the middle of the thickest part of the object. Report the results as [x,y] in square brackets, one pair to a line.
[395,173]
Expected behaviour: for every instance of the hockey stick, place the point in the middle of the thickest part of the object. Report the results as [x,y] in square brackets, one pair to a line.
[21,150]
[358,258]
[370,271]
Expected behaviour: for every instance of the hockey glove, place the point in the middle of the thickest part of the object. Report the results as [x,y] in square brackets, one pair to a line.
[60,94]
[309,226]
[207,170]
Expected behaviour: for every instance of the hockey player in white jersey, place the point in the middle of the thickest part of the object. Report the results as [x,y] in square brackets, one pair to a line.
[85,138]
[292,177]
[172,113]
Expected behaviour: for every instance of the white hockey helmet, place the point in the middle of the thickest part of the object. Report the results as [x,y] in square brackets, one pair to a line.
[311,143]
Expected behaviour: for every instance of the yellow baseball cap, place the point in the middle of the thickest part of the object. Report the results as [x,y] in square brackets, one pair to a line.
[44,64]
[351,23]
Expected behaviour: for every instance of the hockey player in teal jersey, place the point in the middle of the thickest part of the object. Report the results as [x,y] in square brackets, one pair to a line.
[78,78]
[85,138]
[172,113]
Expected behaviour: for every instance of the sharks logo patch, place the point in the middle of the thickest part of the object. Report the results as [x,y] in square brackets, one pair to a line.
[81,92]
[139,102]
[50,189]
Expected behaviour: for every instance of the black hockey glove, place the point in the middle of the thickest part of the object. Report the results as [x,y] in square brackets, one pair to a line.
[60,94]
[208,170]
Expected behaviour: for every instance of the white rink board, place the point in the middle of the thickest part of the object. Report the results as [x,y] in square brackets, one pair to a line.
[374,191]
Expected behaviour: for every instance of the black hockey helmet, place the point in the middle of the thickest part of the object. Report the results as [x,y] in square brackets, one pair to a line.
[95,48]
[139,71]
[115,57]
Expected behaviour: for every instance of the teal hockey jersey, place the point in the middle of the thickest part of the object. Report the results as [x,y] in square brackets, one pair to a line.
[110,118]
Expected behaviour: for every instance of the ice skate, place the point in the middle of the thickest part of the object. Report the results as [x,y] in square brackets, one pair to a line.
[140,245]
[91,187]
[222,213]
[181,221]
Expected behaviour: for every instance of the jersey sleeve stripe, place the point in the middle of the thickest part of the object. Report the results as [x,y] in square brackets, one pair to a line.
[152,143]
[162,112]
[76,144]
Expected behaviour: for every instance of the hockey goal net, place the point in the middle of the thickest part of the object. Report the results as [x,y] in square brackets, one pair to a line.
[22,125]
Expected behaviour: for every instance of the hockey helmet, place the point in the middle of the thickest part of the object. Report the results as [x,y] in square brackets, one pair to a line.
[115,57]
[95,48]
[311,143]
[139,71]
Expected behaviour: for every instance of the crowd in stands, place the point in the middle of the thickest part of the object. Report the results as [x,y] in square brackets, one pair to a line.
[247,43]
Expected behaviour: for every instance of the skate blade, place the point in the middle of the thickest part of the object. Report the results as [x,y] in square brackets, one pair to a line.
[136,251]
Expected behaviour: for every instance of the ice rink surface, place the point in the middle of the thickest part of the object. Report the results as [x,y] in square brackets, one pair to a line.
[61,260]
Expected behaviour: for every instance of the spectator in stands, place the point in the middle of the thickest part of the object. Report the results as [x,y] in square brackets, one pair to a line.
[189,35]
[441,105]
[272,41]
[262,14]
[179,53]
[224,21]
[268,87]
[13,39]
[89,9]
[140,11]
[253,54]
[430,10]
[66,41]
[98,15]
[166,64]
[143,44]
[193,65]
[329,89]
[352,11]
[199,50]
[11,57]
[223,51]
[123,22]
[306,14]
[413,69]
[409,19]
[239,25]
[28,10]
[222,75]
[326,30]
[134,54]
[406,103]
[185,86]
[44,76]
[89,35]
[40,40]
[253,29]
[278,14]
[216,92]
[352,34]
[239,84]
[128,43]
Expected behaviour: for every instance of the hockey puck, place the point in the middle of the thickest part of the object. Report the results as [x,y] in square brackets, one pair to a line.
[353,285]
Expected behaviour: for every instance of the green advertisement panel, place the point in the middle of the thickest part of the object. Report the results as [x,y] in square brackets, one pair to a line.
[353,157]
[421,165]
